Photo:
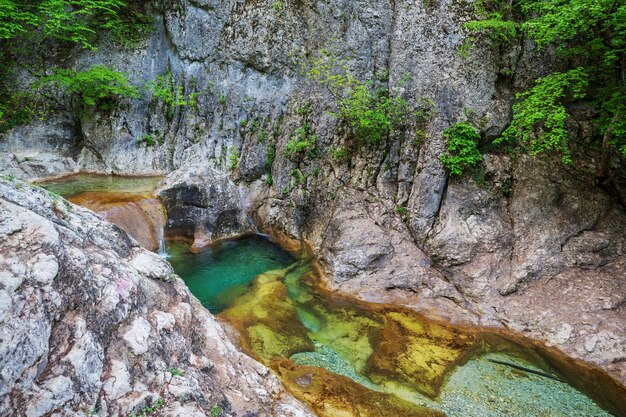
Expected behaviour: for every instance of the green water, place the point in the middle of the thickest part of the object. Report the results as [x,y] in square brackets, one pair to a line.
[224,276]
[75,184]
[220,274]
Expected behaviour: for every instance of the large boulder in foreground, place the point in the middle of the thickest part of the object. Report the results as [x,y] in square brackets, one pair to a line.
[203,205]
[91,323]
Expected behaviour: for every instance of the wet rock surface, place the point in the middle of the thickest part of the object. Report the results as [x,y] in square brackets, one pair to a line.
[142,217]
[92,323]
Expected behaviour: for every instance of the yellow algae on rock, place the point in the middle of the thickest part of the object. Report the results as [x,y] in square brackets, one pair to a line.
[348,331]
[332,395]
[267,320]
[417,352]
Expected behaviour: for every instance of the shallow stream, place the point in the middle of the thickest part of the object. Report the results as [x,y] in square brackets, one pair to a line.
[346,357]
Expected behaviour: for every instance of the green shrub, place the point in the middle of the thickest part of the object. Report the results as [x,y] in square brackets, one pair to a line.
[148,139]
[18,109]
[372,114]
[233,158]
[176,372]
[303,143]
[540,115]
[340,154]
[402,211]
[589,37]
[278,6]
[171,94]
[298,176]
[98,88]
[271,155]
[15,19]
[75,21]
[149,411]
[216,411]
[461,148]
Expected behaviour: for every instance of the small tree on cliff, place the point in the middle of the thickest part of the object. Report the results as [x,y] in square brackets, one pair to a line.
[590,38]
[31,30]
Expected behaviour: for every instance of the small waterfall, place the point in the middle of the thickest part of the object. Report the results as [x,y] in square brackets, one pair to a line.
[254,226]
[162,251]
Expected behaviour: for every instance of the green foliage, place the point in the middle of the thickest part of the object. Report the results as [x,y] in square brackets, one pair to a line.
[461,148]
[341,154]
[170,93]
[271,156]
[233,158]
[612,121]
[149,411]
[15,19]
[540,115]
[590,35]
[496,29]
[148,139]
[30,29]
[75,21]
[402,211]
[303,143]
[176,372]
[298,177]
[426,110]
[98,88]
[216,411]
[278,6]
[372,114]
[493,22]
[18,109]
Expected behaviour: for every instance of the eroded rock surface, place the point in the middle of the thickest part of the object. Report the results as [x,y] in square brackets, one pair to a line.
[203,205]
[92,323]
[141,216]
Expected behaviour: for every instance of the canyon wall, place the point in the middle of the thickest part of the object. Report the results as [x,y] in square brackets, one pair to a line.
[527,244]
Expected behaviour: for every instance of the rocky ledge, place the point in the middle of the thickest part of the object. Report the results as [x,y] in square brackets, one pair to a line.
[91,323]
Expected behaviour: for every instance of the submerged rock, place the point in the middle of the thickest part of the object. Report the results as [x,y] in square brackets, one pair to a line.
[92,323]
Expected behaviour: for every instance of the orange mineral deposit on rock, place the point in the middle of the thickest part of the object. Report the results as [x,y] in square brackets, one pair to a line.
[140,215]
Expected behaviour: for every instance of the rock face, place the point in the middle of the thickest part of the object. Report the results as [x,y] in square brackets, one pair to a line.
[92,323]
[203,205]
[494,249]
[141,216]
